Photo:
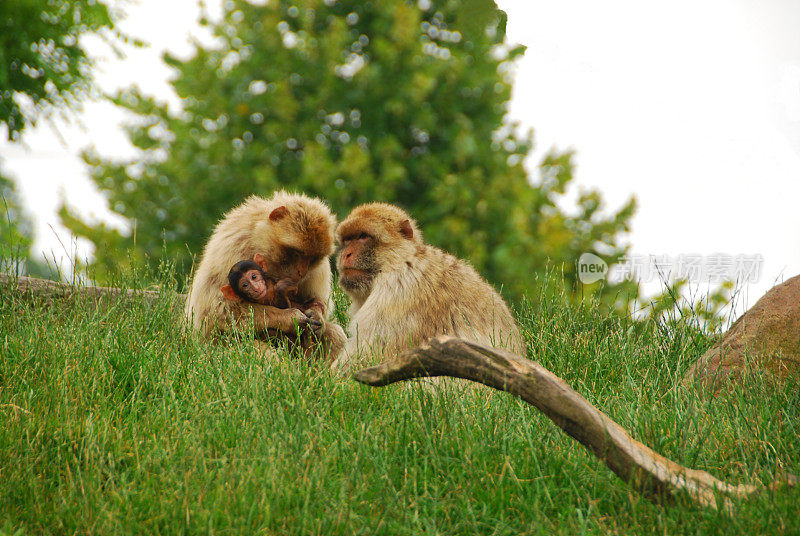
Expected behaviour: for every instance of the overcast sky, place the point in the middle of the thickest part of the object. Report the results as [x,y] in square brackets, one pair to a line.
[693,107]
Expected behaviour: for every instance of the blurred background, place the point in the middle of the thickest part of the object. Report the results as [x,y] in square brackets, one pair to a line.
[521,135]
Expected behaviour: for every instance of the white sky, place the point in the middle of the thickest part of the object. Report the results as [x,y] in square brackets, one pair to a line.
[694,107]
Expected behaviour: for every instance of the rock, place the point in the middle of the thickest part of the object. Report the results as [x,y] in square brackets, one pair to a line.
[765,340]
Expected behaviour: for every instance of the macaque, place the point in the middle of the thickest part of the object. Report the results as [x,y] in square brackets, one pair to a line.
[249,281]
[405,291]
[294,235]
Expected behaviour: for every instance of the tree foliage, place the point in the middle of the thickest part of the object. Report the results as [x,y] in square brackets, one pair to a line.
[351,101]
[16,236]
[16,229]
[678,304]
[43,65]
[43,68]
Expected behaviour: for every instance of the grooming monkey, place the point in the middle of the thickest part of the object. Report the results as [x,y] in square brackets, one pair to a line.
[405,291]
[294,235]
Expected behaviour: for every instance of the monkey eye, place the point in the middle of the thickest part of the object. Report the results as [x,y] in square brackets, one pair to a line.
[244,285]
[363,236]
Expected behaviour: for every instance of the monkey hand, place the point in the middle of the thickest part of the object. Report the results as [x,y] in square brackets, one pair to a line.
[299,320]
[315,321]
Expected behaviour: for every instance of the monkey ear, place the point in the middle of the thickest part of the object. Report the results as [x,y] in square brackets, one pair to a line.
[406,230]
[229,293]
[259,259]
[278,213]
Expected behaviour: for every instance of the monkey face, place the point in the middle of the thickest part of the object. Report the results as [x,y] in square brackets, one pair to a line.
[291,263]
[253,285]
[357,263]
[299,240]
[374,238]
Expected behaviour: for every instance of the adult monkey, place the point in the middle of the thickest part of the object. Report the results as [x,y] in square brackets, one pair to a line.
[294,234]
[405,291]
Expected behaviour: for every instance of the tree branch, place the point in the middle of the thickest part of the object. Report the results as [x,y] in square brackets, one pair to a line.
[647,471]
[50,290]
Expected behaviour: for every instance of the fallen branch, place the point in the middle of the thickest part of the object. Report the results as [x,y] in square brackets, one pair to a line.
[647,471]
[50,290]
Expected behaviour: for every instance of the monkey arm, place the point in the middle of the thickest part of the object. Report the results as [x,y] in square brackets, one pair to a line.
[646,470]
[315,313]
[333,340]
[267,317]
[310,304]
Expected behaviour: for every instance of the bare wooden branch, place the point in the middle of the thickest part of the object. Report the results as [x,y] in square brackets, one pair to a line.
[50,290]
[647,471]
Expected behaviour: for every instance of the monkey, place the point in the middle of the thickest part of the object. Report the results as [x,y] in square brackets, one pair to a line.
[248,280]
[405,291]
[252,281]
[294,234]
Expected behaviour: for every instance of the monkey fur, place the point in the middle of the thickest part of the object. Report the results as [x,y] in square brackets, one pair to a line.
[405,291]
[294,234]
[277,293]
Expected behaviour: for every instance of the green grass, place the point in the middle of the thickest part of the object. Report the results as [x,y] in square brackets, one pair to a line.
[113,421]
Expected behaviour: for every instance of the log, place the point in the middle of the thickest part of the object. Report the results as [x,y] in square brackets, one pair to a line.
[648,472]
[51,290]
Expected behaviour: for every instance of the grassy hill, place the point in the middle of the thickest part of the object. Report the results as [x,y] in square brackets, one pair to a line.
[113,421]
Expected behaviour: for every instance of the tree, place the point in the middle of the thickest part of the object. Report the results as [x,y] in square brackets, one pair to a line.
[16,236]
[350,101]
[43,68]
[15,228]
[43,65]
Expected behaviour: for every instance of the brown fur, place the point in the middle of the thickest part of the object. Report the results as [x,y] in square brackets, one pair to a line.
[278,294]
[406,291]
[304,224]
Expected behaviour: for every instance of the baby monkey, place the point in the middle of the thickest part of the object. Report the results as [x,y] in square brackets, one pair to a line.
[249,281]
[252,281]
